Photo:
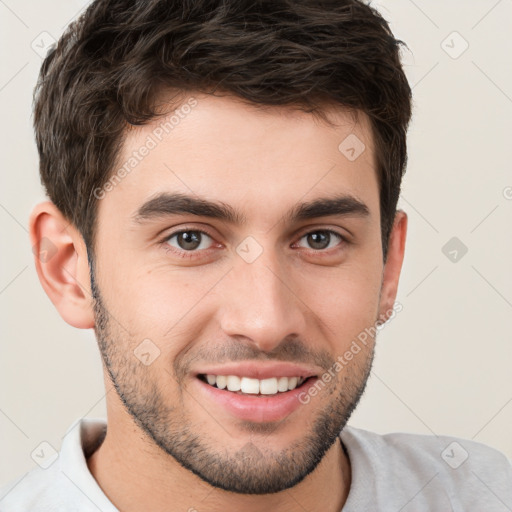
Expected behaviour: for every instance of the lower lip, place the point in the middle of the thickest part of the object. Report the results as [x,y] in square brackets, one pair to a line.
[256,408]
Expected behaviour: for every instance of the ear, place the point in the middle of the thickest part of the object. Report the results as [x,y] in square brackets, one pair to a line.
[60,257]
[391,272]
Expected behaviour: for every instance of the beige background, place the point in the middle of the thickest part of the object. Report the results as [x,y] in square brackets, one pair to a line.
[442,365]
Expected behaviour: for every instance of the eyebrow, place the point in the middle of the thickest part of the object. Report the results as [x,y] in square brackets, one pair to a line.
[167,204]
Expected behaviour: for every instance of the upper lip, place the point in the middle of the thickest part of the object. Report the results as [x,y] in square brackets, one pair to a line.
[260,371]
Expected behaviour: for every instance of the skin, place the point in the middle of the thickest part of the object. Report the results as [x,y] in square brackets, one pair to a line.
[168,447]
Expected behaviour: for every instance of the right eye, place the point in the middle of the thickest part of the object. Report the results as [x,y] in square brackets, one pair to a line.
[187,241]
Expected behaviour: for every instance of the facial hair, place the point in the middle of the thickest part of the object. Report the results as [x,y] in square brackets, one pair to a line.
[253,469]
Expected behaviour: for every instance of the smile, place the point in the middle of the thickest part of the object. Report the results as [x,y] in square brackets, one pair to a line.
[264,400]
[248,385]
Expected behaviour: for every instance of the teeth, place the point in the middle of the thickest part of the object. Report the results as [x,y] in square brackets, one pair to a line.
[233,383]
[248,385]
[282,384]
[268,386]
[292,383]
[220,380]
[255,386]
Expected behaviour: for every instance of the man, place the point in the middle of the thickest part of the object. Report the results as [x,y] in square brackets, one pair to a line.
[223,180]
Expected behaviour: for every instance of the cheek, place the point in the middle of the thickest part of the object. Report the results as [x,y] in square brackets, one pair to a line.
[164,305]
[346,300]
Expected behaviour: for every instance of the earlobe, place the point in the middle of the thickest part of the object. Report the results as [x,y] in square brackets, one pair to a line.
[393,266]
[60,258]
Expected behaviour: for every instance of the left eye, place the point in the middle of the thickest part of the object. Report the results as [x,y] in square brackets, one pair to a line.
[189,240]
[321,239]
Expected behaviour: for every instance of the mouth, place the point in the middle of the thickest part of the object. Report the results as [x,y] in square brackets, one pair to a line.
[255,391]
[251,399]
[243,385]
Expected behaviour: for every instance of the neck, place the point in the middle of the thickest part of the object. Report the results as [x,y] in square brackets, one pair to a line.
[137,475]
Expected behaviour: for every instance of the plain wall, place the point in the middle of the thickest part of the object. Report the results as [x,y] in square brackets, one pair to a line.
[442,365]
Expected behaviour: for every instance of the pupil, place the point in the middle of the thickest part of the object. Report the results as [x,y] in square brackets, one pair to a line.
[188,241]
[316,242]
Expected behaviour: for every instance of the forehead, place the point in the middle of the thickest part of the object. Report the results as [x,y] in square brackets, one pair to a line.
[261,159]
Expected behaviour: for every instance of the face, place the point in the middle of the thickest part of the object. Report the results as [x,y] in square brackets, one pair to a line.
[243,244]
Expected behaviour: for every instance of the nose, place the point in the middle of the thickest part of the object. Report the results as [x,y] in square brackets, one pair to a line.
[260,304]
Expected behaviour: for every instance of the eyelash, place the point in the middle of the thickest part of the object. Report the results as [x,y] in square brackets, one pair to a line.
[181,253]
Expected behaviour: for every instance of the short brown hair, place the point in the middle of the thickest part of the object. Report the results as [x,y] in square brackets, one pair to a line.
[110,64]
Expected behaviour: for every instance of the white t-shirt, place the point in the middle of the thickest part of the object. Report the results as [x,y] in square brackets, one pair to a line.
[391,472]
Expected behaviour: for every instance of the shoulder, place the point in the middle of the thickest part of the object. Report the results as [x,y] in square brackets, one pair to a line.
[39,490]
[454,451]
[66,485]
[52,489]
[441,470]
